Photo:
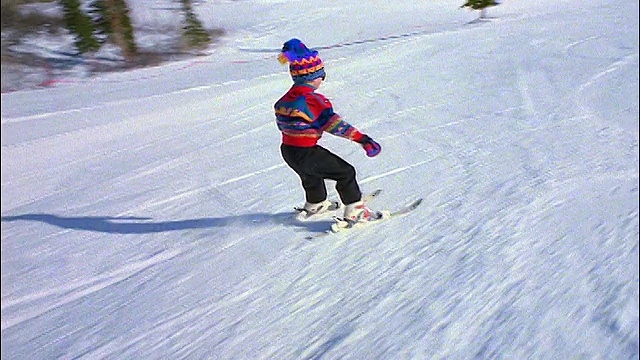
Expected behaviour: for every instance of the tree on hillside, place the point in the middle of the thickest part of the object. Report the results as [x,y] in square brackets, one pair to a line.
[97,11]
[80,25]
[194,34]
[120,26]
[96,21]
[481,5]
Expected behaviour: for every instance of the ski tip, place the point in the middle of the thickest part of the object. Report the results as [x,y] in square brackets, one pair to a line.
[415,204]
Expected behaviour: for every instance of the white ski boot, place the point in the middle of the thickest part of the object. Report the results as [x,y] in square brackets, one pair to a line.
[312,209]
[359,212]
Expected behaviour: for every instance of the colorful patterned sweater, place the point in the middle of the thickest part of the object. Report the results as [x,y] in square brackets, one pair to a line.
[303,115]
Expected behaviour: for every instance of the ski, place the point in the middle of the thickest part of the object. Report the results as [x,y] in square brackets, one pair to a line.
[342,224]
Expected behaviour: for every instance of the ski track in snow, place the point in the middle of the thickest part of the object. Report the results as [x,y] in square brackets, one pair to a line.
[71,292]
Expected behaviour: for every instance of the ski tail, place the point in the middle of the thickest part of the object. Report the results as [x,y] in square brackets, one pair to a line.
[372,195]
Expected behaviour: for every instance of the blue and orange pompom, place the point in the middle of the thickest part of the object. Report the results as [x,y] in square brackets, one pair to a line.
[304,64]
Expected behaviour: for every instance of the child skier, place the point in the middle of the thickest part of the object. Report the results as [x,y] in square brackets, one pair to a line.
[302,115]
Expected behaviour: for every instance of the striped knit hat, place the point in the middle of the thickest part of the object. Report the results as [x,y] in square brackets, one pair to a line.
[304,64]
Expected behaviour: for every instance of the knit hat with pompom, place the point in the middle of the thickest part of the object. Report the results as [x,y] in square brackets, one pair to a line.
[304,64]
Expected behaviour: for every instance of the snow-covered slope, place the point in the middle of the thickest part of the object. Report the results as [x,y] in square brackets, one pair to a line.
[147,214]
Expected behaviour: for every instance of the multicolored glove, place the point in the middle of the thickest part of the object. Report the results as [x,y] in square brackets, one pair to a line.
[371,147]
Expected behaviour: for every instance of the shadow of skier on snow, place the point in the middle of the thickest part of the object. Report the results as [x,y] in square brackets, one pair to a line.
[145,225]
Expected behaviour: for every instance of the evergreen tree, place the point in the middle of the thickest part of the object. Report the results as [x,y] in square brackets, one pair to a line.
[102,20]
[97,11]
[194,33]
[80,25]
[120,27]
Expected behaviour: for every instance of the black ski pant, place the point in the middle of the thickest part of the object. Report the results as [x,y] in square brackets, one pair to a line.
[315,164]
